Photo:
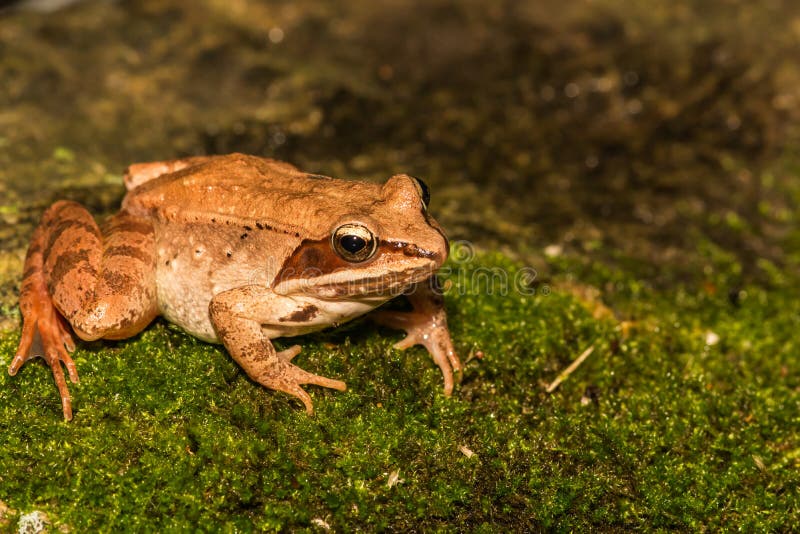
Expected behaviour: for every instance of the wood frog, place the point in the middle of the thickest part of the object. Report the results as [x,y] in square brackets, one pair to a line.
[240,250]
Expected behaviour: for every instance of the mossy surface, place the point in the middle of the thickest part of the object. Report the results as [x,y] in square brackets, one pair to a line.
[626,171]
[684,417]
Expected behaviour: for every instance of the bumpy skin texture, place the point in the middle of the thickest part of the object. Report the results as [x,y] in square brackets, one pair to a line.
[239,250]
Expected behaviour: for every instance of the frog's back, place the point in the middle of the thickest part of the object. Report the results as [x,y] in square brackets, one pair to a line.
[242,187]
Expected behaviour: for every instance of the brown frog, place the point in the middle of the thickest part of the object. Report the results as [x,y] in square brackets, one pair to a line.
[239,250]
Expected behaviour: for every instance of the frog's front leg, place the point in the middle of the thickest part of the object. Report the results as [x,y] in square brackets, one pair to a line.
[426,325]
[241,315]
[101,282]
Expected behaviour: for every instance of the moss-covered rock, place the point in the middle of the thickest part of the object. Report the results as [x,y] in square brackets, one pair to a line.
[683,417]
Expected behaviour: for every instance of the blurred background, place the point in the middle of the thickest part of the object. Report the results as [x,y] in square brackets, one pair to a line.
[630,131]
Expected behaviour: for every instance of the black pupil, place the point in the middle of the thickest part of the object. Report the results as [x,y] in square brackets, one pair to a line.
[352,243]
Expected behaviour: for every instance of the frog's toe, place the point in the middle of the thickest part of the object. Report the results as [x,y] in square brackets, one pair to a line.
[66,337]
[55,357]
[56,352]
[29,337]
[296,391]
[289,378]
[61,384]
[288,355]
[300,376]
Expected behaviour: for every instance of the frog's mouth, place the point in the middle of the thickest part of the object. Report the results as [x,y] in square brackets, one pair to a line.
[367,281]
[384,285]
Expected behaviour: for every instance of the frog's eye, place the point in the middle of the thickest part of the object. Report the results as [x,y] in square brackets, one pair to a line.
[354,242]
[424,192]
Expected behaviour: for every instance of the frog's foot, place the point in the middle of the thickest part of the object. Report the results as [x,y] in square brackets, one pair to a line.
[46,335]
[281,375]
[429,330]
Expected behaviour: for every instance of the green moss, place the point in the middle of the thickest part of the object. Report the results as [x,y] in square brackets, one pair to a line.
[657,429]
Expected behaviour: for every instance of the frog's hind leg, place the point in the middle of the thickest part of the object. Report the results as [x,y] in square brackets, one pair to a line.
[101,283]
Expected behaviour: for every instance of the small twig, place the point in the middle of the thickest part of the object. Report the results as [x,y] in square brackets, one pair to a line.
[569,370]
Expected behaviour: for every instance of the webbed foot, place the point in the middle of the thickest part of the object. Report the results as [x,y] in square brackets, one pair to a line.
[45,334]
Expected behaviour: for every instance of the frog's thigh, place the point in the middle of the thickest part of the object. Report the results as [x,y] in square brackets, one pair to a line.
[102,282]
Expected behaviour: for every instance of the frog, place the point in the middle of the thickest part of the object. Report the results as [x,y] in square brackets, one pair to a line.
[239,250]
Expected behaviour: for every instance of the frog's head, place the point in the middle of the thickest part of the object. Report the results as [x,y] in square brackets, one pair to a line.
[377,247]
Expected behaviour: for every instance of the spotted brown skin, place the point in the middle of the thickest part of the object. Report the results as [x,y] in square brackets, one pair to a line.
[303,315]
[237,250]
